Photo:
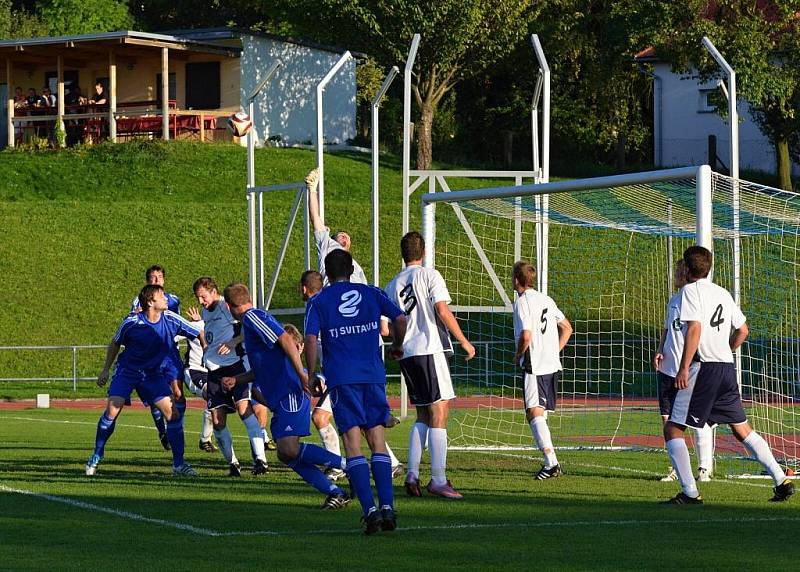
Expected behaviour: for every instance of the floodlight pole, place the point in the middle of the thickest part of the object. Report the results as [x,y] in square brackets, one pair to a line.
[343,59]
[734,159]
[543,227]
[255,204]
[375,173]
[407,73]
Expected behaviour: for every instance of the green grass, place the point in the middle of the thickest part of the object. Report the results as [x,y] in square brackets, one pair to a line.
[595,516]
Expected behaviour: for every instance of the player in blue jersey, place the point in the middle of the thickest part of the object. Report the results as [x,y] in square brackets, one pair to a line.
[173,365]
[346,317]
[148,337]
[279,376]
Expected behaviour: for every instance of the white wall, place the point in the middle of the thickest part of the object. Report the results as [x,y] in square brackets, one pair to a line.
[685,129]
[287,106]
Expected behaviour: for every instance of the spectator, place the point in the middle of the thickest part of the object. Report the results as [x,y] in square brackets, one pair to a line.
[48,99]
[75,97]
[19,98]
[100,97]
[33,99]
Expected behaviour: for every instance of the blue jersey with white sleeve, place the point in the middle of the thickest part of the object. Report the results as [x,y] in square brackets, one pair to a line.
[346,317]
[173,303]
[147,343]
[275,375]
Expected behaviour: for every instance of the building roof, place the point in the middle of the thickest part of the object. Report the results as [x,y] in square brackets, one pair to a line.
[123,37]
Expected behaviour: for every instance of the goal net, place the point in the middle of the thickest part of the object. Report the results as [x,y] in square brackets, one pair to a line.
[605,249]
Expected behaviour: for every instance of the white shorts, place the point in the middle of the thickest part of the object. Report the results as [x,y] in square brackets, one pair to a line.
[541,390]
[325,404]
[427,378]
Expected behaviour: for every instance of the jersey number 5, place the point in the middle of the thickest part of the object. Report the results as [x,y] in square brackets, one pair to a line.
[408,298]
[543,320]
[716,319]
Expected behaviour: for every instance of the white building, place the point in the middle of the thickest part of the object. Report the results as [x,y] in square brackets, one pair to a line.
[207,74]
[683,119]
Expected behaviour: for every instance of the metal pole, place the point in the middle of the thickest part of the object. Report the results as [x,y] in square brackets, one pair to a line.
[74,368]
[255,223]
[734,159]
[251,210]
[670,269]
[320,142]
[412,55]
[544,69]
[376,101]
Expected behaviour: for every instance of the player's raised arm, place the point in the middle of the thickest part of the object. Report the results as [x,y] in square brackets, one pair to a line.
[312,180]
[451,323]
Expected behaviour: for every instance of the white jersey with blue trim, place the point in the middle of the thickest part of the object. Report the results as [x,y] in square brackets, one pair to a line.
[674,339]
[713,306]
[325,245]
[219,329]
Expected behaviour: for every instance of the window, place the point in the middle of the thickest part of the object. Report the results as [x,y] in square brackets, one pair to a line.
[173,87]
[202,85]
[705,99]
[51,80]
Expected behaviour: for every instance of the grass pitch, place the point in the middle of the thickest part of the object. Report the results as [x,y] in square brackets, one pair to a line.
[603,514]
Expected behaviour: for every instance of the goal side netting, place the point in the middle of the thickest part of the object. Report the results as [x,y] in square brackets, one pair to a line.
[605,249]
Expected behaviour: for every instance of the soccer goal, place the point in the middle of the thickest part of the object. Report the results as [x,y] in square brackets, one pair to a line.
[608,264]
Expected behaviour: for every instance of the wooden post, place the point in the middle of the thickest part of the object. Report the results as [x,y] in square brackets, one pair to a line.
[112,92]
[60,94]
[10,97]
[165,93]
[202,127]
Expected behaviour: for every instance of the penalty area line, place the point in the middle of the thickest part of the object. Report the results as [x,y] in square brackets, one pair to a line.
[112,511]
[442,527]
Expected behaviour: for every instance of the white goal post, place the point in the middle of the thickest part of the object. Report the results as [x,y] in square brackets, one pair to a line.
[611,244]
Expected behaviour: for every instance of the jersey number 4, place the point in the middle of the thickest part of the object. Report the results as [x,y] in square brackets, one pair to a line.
[408,298]
[716,318]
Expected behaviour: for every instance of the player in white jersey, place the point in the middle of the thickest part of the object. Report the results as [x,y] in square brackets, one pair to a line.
[221,360]
[322,234]
[540,332]
[195,375]
[706,386]
[666,362]
[423,296]
[311,282]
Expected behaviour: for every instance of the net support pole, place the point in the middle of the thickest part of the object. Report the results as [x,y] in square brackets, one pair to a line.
[733,118]
[543,227]
[255,204]
[343,59]
[407,72]
[376,101]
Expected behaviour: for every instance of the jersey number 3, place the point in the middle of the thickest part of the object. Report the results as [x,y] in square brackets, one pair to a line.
[408,298]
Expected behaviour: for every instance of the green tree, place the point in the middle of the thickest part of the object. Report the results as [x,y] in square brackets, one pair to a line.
[66,17]
[18,23]
[761,41]
[460,38]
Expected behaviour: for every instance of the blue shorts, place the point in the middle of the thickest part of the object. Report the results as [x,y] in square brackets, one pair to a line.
[150,385]
[172,366]
[712,397]
[291,417]
[362,405]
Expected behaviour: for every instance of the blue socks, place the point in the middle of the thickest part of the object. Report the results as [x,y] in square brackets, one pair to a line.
[313,476]
[358,472]
[176,439]
[316,455]
[382,473]
[158,419]
[105,427]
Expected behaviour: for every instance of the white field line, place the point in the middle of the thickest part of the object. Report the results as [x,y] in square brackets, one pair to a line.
[445,527]
[112,511]
[731,481]
[72,422]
